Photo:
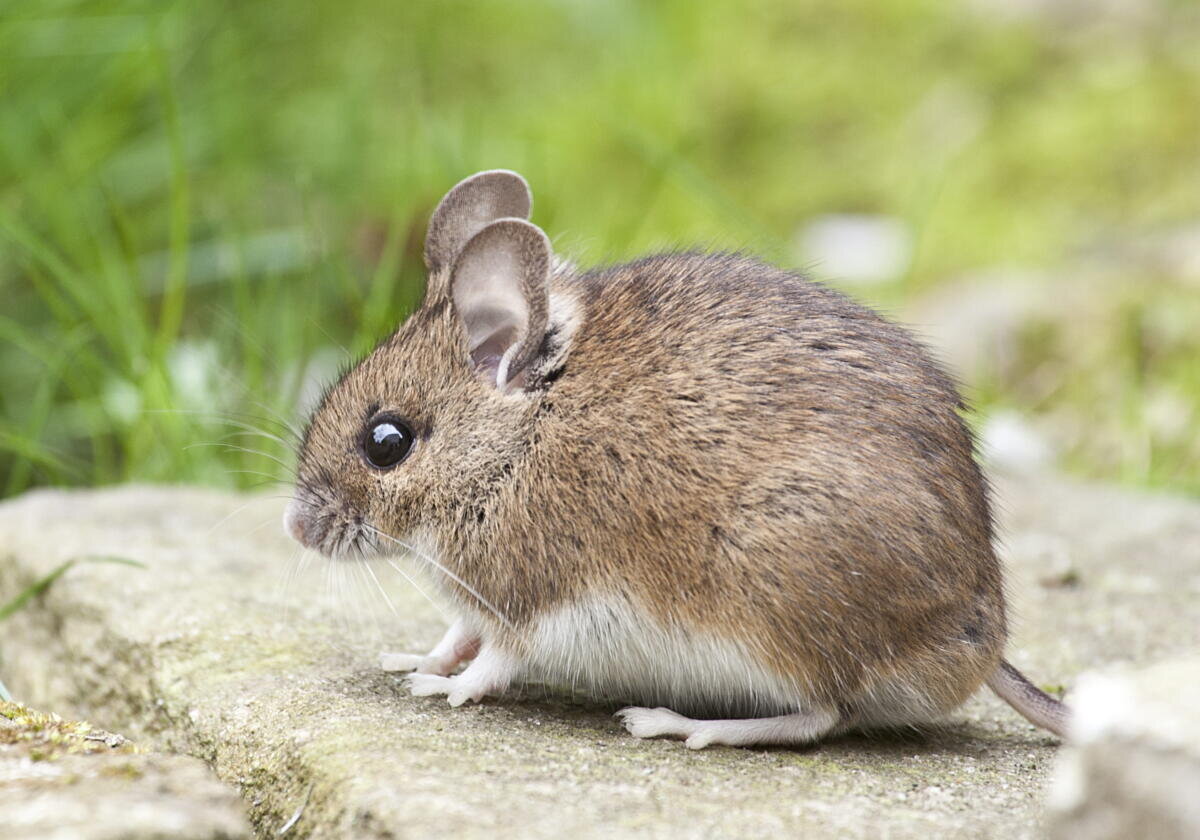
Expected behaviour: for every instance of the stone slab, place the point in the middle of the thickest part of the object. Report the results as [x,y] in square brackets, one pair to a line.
[225,649]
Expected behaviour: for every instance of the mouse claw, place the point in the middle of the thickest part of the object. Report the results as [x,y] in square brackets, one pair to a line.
[400,661]
[698,740]
[655,723]
[428,685]
[490,673]
[641,722]
[461,695]
[455,690]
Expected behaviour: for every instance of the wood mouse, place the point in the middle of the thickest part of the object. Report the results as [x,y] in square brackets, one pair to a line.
[693,482]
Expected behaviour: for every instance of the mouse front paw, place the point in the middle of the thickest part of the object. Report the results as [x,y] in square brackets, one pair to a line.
[428,685]
[400,661]
[490,673]
[456,690]
[441,666]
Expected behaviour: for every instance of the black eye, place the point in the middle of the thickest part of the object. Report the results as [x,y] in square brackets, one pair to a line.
[387,442]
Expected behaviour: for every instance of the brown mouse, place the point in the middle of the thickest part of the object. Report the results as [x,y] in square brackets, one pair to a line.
[693,481]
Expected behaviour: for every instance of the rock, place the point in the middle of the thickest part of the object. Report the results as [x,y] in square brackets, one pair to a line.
[1007,440]
[1134,768]
[1067,345]
[856,249]
[218,650]
[63,779]
[1058,15]
[975,324]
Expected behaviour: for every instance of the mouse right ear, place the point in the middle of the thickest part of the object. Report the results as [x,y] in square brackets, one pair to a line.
[468,208]
[499,286]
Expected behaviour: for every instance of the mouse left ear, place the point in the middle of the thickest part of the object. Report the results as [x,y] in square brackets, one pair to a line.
[499,285]
[470,206]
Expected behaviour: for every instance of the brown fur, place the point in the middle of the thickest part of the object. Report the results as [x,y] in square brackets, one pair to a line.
[726,446]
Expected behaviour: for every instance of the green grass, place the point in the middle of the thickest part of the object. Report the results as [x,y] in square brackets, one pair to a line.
[198,200]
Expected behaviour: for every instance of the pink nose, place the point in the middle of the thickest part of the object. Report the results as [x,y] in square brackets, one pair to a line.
[293,523]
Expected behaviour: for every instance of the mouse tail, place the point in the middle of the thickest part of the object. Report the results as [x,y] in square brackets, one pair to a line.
[1035,705]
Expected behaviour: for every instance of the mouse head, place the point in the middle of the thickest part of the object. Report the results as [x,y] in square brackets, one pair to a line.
[422,429]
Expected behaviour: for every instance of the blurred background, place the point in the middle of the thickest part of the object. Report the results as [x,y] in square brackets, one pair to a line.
[208,206]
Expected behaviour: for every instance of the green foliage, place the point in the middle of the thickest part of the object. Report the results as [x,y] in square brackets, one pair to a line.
[198,199]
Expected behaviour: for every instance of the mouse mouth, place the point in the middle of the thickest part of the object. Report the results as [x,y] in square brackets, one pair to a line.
[330,528]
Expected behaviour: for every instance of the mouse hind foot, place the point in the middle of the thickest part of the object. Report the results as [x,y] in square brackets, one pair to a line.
[799,728]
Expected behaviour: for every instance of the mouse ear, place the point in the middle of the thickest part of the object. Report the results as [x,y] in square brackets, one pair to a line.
[499,288]
[470,206]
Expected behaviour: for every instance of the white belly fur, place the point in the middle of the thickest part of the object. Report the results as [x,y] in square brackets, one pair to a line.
[611,650]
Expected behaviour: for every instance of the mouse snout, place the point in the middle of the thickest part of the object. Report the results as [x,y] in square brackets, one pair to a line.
[293,522]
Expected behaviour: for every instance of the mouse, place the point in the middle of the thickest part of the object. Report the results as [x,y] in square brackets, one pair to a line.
[720,494]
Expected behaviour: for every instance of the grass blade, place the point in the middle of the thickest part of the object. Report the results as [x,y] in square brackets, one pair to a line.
[38,587]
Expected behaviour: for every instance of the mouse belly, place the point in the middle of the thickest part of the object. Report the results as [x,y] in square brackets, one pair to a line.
[613,651]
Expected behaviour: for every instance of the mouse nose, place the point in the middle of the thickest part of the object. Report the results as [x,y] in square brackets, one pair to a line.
[293,522]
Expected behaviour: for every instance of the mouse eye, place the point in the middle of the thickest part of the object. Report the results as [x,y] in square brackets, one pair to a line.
[387,442]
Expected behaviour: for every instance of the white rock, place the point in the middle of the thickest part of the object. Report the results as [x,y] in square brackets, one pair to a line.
[1134,769]
[1008,440]
[860,249]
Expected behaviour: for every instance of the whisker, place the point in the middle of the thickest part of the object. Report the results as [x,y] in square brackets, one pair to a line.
[365,593]
[258,433]
[284,579]
[272,521]
[329,587]
[387,600]
[278,418]
[360,609]
[355,618]
[333,340]
[271,479]
[354,615]
[245,449]
[344,616]
[227,418]
[227,517]
[413,583]
[484,601]
[288,604]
